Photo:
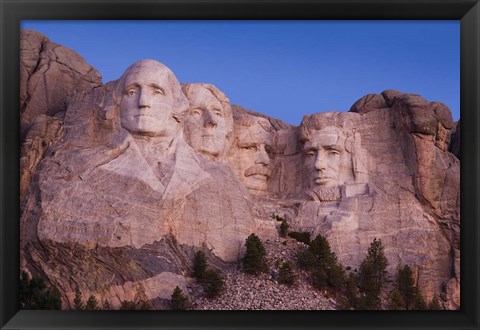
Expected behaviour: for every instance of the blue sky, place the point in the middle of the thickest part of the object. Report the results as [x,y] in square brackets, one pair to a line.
[285,69]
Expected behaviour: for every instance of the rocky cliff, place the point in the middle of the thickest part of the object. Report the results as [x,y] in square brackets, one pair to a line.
[121,183]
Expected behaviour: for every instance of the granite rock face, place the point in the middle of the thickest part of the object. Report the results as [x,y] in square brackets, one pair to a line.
[125,181]
[51,77]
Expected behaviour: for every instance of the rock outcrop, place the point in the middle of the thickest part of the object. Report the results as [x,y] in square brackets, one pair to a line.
[51,77]
[122,183]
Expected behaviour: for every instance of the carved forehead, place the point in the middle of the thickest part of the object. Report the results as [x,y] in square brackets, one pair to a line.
[191,89]
[329,136]
[253,130]
[200,95]
[254,134]
[148,71]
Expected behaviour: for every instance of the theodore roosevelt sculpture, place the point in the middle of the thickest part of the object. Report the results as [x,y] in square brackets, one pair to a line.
[208,124]
[251,159]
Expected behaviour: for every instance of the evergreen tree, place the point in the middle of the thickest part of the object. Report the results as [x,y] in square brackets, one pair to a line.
[179,301]
[303,237]
[373,270]
[134,305]
[106,305]
[284,228]
[435,304]
[77,301]
[306,260]
[126,305]
[199,265]
[420,303]
[406,286]
[286,274]
[396,301]
[336,276]
[34,294]
[92,303]
[213,283]
[321,250]
[327,271]
[351,288]
[143,305]
[254,261]
[369,301]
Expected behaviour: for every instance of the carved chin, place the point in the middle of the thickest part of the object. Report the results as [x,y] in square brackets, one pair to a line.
[208,147]
[256,184]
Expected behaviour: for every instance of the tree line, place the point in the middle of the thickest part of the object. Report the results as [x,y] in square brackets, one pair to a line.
[360,289]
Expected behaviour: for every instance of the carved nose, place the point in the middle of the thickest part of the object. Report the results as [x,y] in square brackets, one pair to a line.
[262,157]
[210,119]
[144,100]
[320,162]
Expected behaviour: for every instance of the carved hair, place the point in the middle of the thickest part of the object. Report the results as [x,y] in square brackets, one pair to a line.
[246,120]
[312,123]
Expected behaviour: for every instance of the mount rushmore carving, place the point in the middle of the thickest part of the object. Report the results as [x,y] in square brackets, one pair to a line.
[122,184]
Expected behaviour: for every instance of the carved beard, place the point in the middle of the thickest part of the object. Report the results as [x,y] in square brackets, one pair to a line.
[325,194]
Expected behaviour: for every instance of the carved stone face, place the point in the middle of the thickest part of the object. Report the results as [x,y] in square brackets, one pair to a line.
[252,157]
[204,126]
[323,158]
[146,104]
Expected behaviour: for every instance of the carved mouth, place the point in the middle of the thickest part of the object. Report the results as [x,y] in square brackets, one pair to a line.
[322,180]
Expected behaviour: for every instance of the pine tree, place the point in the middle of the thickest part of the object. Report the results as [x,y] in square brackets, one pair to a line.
[284,228]
[351,288]
[199,265]
[406,286]
[306,260]
[396,301]
[372,275]
[321,250]
[420,303]
[303,237]
[435,304]
[254,261]
[77,301]
[179,301]
[92,303]
[326,269]
[286,274]
[336,276]
[34,294]
[132,305]
[106,305]
[213,283]
[373,268]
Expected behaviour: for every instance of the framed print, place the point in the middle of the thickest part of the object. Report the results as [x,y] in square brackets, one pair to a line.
[237,164]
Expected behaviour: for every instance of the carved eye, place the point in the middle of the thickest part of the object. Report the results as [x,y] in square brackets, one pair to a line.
[131,92]
[311,153]
[251,148]
[158,92]
[196,112]
[333,153]
[217,113]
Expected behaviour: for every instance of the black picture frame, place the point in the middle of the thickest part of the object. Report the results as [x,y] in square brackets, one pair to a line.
[13,11]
